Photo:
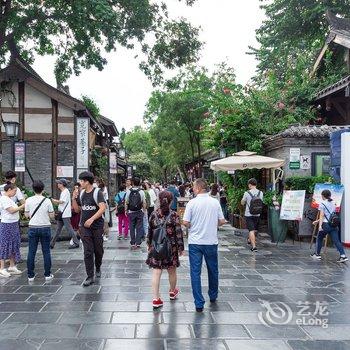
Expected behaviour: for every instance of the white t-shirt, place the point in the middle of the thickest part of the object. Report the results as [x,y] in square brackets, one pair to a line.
[65,198]
[153,197]
[203,212]
[247,198]
[6,217]
[17,197]
[327,213]
[41,217]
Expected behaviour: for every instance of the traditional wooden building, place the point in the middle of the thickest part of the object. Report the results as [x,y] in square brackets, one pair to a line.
[56,129]
[333,102]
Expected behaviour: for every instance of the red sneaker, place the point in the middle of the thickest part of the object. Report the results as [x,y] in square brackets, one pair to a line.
[157,303]
[173,294]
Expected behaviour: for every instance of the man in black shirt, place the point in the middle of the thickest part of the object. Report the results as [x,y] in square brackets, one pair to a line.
[91,203]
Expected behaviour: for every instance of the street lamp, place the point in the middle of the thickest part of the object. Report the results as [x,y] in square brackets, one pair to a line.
[12,131]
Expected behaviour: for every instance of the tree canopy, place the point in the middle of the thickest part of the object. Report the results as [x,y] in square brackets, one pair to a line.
[80,31]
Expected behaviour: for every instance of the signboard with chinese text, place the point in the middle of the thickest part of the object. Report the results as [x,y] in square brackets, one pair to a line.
[82,144]
[294,158]
[113,163]
[20,157]
[292,207]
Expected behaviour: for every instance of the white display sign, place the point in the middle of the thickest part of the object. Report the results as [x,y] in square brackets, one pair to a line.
[305,162]
[82,144]
[113,163]
[292,205]
[294,154]
[65,171]
[231,172]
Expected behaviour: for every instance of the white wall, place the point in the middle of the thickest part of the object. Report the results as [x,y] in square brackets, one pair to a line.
[36,99]
[66,129]
[38,123]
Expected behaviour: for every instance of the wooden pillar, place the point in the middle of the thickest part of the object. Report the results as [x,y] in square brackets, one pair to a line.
[54,148]
[21,117]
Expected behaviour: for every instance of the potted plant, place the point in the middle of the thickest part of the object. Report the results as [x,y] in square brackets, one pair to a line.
[277,228]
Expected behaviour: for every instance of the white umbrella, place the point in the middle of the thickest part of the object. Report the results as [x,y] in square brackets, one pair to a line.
[249,160]
[246,160]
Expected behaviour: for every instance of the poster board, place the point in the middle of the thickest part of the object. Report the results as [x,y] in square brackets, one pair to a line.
[20,157]
[65,171]
[181,206]
[336,191]
[292,205]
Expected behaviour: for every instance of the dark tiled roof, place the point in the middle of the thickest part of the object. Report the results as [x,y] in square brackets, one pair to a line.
[337,24]
[308,131]
[341,84]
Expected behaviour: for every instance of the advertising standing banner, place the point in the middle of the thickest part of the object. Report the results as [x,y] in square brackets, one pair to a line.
[292,205]
[113,163]
[20,157]
[336,191]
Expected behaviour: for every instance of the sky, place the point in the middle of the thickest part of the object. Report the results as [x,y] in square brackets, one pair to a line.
[121,90]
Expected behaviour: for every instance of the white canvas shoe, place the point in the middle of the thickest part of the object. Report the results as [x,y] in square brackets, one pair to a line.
[48,278]
[4,273]
[14,271]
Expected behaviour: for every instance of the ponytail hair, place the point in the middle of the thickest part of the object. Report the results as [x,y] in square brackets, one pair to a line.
[165,199]
[327,194]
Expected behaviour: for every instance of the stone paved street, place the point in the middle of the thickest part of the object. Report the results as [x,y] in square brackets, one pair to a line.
[116,312]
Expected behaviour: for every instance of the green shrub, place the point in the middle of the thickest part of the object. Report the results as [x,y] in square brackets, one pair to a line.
[306,183]
[268,198]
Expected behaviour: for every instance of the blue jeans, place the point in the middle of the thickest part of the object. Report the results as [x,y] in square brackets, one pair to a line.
[327,229]
[210,253]
[36,235]
[136,227]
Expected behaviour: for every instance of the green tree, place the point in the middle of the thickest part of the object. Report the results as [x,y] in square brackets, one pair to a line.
[80,31]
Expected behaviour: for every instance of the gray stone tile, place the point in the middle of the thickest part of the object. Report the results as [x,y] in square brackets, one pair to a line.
[80,317]
[168,306]
[14,297]
[218,306]
[187,318]
[219,331]
[79,289]
[332,332]
[47,297]
[21,307]
[257,344]
[95,297]
[276,332]
[20,344]
[33,317]
[137,317]
[50,331]
[318,345]
[236,317]
[72,344]
[163,331]
[4,316]
[64,306]
[38,289]
[107,331]
[8,331]
[195,344]
[114,306]
[134,344]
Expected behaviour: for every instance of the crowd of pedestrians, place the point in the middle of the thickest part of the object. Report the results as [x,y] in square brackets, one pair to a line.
[145,212]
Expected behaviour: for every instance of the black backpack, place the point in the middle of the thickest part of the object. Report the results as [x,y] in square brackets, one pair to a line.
[121,205]
[160,241]
[135,201]
[333,219]
[256,204]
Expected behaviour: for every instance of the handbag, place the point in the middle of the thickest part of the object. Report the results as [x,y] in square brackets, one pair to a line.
[58,214]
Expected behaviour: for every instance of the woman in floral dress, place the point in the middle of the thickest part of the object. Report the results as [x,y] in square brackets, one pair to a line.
[175,235]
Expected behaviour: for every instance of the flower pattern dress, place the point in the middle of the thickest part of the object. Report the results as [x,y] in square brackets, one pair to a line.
[175,235]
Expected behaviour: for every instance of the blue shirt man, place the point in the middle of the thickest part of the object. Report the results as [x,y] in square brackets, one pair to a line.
[175,193]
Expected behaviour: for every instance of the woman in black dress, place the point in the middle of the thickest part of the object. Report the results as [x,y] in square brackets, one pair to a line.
[175,235]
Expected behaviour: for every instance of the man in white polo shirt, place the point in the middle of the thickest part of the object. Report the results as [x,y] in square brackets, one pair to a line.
[203,216]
